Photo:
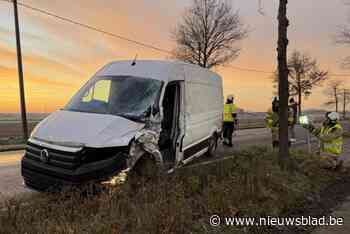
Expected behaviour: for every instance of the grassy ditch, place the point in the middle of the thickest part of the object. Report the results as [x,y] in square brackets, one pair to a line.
[250,184]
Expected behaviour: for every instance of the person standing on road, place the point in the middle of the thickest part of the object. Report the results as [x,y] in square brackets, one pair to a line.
[230,116]
[272,122]
[331,139]
[293,107]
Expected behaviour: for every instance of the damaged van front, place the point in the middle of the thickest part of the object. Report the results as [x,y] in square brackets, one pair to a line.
[137,115]
[89,139]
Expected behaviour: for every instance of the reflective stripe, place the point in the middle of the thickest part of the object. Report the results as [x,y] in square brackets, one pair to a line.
[334,146]
[229,109]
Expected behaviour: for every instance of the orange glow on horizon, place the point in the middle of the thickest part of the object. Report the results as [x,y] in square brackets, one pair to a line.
[60,57]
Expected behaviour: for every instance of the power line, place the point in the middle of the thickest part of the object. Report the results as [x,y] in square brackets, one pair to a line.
[271,72]
[93,28]
[339,75]
[249,69]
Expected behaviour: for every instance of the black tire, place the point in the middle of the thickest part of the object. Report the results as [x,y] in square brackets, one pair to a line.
[212,145]
[145,170]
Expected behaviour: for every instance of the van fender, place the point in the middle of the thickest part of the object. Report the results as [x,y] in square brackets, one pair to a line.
[145,143]
[144,146]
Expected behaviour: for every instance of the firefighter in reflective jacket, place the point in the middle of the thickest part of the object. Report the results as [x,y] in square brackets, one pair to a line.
[230,116]
[331,140]
[272,121]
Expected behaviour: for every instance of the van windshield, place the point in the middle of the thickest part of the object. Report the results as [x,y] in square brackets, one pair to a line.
[126,96]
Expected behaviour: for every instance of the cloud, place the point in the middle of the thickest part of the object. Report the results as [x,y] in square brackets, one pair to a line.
[37,64]
[58,54]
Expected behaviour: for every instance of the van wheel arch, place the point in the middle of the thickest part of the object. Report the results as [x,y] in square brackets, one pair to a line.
[145,169]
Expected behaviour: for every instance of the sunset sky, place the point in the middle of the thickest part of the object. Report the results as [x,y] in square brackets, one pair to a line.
[59,57]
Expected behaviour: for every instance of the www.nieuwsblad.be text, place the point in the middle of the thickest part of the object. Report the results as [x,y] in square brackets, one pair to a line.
[216,220]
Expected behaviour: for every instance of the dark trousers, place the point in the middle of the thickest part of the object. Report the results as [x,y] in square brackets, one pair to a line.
[228,128]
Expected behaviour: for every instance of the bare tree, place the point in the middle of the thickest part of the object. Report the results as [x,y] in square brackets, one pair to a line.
[338,94]
[304,75]
[333,91]
[343,37]
[345,100]
[208,34]
[283,24]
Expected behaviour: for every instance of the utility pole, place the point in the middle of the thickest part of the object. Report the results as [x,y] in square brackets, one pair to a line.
[20,73]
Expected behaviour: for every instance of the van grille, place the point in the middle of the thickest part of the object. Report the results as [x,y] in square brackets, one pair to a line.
[66,160]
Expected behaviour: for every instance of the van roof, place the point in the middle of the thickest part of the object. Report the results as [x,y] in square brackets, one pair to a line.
[164,70]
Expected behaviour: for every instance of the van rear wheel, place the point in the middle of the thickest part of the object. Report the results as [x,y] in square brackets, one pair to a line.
[212,146]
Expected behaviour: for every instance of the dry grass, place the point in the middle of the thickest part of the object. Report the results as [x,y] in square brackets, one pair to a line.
[251,184]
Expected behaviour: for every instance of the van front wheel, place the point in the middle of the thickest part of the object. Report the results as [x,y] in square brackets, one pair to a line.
[144,170]
[212,145]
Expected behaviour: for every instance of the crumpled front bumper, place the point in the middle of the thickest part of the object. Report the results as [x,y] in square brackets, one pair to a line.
[41,176]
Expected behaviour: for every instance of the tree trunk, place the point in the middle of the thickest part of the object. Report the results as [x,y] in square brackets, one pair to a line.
[299,101]
[299,93]
[336,105]
[283,87]
[336,99]
[344,104]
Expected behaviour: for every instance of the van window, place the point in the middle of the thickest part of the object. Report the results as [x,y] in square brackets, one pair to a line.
[126,96]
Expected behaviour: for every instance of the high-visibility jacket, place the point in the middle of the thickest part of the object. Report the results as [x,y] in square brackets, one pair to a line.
[331,138]
[229,110]
[272,119]
[272,122]
[290,117]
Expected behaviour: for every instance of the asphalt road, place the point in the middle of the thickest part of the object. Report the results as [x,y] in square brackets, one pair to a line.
[13,128]
[10,175]
[11,180]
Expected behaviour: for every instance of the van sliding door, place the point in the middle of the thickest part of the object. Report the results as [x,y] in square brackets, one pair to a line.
[197,118]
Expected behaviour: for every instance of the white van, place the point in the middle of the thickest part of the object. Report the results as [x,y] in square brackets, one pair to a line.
[89,139]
